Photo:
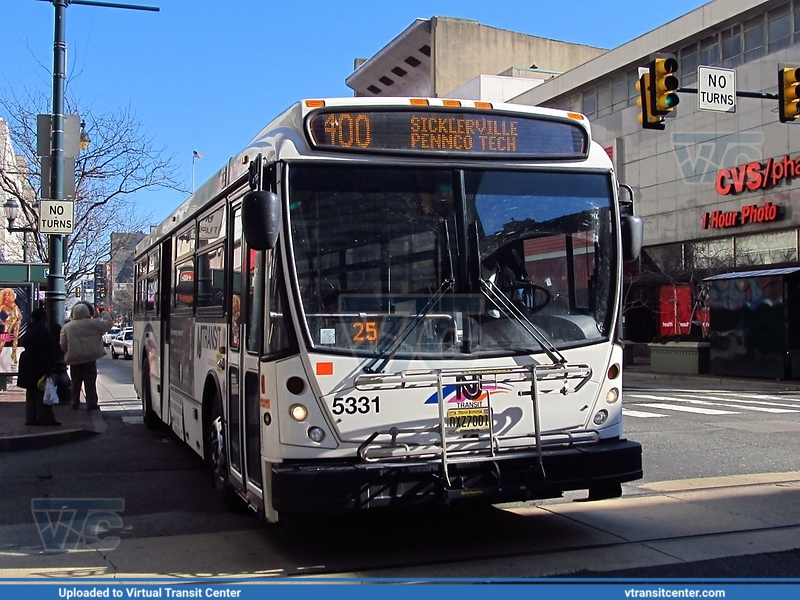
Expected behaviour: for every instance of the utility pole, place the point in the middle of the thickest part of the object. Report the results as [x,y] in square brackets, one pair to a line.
[56,291]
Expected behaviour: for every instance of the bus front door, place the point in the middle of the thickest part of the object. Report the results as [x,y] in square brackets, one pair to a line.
[243,397]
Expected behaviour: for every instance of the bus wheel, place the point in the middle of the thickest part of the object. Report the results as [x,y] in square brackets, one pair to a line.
[217,458]
[604,492]
[149,417]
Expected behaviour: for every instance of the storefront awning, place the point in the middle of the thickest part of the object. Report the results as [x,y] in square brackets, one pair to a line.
[760,273]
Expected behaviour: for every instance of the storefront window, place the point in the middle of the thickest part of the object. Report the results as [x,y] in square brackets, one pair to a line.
[766,249]
[731,47]
[603,99]
[589,102]
[713,254]
[709,51]
[668,258]
[796,15]
[619,92]
[688,68]
[779,28]
[754,38]
[633,93]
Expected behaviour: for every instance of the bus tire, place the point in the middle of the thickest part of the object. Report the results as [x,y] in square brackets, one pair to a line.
[151,420]
[217,458]
[605,491]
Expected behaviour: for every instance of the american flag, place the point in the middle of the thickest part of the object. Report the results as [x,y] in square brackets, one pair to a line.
[196,154]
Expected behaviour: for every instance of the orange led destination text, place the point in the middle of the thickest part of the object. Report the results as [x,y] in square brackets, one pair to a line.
[454,133]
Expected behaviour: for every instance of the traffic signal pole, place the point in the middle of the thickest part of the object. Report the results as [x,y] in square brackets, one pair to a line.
[56,293]
[55,297]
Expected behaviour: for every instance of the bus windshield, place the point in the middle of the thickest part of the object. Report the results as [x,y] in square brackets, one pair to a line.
[407,262]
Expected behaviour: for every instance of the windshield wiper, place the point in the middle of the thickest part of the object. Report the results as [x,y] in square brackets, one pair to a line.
[386,354]
[493,293]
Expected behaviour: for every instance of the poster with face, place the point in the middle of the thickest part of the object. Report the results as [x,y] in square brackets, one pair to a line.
[15,308]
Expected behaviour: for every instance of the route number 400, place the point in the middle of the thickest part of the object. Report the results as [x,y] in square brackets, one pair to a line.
[352,405]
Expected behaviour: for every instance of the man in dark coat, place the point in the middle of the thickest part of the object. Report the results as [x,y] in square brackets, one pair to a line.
[36,362]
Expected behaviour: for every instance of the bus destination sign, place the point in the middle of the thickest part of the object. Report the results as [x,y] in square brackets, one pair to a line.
[447,132]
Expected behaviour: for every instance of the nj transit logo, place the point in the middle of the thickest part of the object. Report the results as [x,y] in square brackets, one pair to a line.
[74,523]
[468,391]
[701,155]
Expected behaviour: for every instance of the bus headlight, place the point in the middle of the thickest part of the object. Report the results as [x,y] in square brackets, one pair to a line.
[315,434]
[600,417]
[298,412]
[612,395]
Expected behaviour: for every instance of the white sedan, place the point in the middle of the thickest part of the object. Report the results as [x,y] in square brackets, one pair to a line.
[110,335]
[122,345]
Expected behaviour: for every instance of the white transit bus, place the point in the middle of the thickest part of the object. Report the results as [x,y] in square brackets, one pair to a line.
[390,302]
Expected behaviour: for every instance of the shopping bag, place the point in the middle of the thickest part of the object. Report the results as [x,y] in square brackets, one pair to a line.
[50,392]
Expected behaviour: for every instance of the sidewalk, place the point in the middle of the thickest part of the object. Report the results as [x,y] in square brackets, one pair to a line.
[15,435]
[641,373]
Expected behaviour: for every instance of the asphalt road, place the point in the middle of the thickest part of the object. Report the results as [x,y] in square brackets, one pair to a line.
[173,523]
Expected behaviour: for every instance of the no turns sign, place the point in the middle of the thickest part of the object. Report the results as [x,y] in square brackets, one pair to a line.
[716,89]
[56,217]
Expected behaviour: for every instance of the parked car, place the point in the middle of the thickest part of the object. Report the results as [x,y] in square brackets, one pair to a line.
[110,335]
[122,344]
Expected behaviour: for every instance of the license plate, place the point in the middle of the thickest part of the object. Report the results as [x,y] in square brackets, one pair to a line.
[468,419]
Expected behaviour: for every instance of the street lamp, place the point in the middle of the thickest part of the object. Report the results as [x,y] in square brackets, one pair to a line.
[11,208]
[85,140]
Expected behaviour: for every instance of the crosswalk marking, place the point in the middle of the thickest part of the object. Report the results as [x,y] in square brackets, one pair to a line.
[690,409]
[698,402]
[722,402]
[629,412]
[791,407]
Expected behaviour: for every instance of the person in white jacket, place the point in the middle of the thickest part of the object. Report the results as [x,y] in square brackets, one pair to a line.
[82,342]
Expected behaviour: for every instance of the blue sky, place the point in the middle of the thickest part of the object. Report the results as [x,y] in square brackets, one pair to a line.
[209,74]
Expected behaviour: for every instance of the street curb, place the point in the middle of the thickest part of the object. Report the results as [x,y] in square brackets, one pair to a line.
[44,440]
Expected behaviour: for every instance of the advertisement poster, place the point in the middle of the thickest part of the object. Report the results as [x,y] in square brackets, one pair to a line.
[15,308]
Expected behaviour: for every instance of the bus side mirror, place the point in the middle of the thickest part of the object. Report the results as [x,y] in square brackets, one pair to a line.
[261,219]
[632,235]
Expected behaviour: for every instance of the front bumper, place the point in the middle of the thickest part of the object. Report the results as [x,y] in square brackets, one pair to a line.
[335,485]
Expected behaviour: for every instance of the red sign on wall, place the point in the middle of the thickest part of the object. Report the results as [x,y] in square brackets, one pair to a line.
[675,310]
[756,175]
[749,214]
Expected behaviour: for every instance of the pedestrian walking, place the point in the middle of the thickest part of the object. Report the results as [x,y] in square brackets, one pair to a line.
[35,363]
[82,342]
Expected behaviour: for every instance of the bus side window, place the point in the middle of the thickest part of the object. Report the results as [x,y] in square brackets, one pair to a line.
[184,284]
[151,293]
[210,278]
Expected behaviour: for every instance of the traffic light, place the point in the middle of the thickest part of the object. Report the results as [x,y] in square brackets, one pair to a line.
[646,117]
[788,106]
[663,98]
[78,292]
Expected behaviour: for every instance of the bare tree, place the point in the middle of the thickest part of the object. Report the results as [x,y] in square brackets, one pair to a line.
[121,160]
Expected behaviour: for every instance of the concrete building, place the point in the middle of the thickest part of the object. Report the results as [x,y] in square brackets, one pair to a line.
[119,273]
[434,57]
[14,183]
[718,191]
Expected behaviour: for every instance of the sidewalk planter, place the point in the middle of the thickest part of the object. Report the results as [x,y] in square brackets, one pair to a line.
[691,358]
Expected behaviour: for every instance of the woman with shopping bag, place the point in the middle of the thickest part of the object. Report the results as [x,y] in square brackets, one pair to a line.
[35,365]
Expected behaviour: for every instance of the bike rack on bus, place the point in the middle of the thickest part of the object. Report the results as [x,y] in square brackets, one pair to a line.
[480,447]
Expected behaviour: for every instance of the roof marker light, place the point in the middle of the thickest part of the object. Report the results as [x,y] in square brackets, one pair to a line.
[451,102]
[483,105]
[418,102]
[576,116]
[315,103]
